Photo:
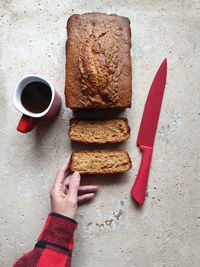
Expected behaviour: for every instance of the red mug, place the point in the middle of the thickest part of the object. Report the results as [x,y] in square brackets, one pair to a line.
[37,99]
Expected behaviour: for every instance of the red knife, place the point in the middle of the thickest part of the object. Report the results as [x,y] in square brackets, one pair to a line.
[147,131]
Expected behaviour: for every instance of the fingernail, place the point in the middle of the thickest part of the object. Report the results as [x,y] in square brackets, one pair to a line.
[76,175]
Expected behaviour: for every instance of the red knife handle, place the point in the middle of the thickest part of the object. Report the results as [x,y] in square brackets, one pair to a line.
[26,124]
[139,188]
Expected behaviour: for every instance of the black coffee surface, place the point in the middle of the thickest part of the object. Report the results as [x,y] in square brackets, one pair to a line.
[36,97]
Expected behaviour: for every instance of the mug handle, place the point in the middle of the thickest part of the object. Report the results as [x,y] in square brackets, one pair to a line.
[27,123]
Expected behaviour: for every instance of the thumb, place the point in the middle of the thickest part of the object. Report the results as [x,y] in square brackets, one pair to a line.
[74,185]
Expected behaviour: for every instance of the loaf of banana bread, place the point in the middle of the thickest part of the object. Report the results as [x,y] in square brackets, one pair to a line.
[98,62]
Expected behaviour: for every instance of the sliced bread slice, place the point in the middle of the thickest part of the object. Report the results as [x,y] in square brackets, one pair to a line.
[99,131]
[100,161]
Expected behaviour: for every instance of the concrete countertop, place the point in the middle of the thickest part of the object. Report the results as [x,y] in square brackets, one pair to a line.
[112,230]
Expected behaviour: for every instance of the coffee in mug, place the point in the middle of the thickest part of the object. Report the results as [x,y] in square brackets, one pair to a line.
[37,99]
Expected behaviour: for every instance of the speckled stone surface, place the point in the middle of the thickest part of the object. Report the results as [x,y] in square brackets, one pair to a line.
[112,230]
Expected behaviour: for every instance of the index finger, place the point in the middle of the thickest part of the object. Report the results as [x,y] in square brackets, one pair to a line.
[60,176]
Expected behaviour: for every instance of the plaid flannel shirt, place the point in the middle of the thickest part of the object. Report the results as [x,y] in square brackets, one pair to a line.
[54,246]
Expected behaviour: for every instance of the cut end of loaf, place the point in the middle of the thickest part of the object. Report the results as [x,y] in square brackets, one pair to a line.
[100,162]
[99,131]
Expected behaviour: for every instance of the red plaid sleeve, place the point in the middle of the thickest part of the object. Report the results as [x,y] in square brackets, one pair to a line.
[54,246]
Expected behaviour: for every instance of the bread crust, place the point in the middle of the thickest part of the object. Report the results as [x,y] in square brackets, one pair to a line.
[98,62]
[100,151]
[87,141]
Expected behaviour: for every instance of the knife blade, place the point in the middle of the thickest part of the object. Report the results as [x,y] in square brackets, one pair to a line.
[147,131]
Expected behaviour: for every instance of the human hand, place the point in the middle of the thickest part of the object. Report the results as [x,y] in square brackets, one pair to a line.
[66,193]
